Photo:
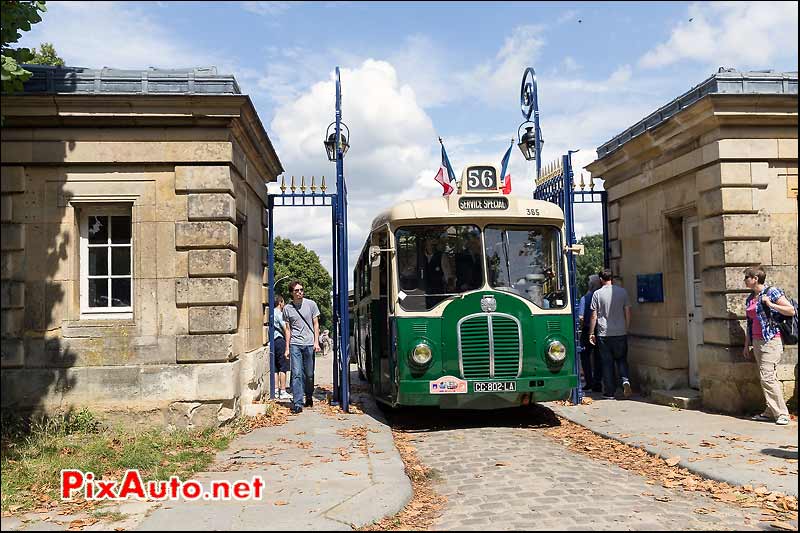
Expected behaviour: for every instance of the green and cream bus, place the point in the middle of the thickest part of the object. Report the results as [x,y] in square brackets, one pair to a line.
[462,301]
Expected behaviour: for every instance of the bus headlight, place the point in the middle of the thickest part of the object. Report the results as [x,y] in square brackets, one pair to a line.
[556,352]
[421,355]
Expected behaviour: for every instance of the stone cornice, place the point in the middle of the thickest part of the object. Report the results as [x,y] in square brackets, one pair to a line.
[715,111]
[235,112]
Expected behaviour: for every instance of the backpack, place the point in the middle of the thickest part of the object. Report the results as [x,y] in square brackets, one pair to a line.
[787,325]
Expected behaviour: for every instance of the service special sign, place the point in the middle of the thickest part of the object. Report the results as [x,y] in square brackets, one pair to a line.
[470,203]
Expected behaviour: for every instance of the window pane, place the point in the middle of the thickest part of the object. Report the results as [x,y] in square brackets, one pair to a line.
[526,261]
[98,261]
[696,263]
[98,293]
[98,230]
[121,230]
[120,261]
[121,292]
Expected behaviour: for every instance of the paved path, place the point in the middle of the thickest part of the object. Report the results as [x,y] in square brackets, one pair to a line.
[319,475]
[499,471]
[738,451]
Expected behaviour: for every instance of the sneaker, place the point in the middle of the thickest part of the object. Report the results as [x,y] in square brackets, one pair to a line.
[762,418]
[309,402]
[283,395]
[782,420]
[608,397]
[295,409]
[626,388]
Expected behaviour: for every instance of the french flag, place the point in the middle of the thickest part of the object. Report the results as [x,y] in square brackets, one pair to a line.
[507,178]
[445,177]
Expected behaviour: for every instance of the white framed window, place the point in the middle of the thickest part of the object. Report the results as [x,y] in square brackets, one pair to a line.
[106,262]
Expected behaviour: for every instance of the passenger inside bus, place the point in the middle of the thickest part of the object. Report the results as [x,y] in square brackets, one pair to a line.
[435,262]
[469,265]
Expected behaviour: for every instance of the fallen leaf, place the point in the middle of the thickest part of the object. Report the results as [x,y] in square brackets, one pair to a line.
[782,525]
[351,473]
[663,499]
[672,461]
[281,502]
[500,463]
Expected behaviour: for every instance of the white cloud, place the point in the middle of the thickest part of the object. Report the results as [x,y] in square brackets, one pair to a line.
[116,35]
[392,154]
[744,35]
[268,8]
[490,81]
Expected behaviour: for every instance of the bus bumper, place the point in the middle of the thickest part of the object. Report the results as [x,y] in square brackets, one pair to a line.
[528,390]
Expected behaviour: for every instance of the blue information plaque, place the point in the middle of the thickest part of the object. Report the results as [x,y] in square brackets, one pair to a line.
[650,287]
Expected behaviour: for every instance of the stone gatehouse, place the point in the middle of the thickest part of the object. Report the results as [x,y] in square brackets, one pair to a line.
[697,191]
[133,244]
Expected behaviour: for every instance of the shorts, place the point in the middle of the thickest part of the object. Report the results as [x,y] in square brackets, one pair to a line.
[280,358]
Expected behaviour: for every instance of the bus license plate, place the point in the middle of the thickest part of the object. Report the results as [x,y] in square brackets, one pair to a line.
[495,386]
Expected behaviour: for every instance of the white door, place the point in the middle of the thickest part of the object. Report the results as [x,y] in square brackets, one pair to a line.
[694,294]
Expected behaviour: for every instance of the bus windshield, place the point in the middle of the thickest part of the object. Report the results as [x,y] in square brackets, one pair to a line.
[436,262]
[527,261]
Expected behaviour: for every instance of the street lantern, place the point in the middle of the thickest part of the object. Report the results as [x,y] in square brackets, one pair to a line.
[530,143]
[330,141]
[527,141]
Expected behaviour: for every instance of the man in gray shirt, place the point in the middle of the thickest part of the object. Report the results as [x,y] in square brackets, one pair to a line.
[608,330]
[302,341]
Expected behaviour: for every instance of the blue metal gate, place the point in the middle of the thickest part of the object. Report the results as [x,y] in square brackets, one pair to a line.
[557,185]
[336,145]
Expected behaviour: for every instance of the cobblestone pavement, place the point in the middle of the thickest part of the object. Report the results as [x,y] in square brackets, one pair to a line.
[500,471]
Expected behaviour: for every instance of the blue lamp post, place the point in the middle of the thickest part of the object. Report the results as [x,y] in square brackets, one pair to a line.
[336,145]
[530,143]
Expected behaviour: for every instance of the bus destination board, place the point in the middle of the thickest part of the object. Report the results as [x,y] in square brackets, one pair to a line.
[473,203]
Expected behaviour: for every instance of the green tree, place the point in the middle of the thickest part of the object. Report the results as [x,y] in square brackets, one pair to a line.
[46,55]
[299,263]
[589,263]
[17,16]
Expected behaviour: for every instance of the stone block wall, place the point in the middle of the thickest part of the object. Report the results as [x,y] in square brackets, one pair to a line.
[740,182]
[193,350]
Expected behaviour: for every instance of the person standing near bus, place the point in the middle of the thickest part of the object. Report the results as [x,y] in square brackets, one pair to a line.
[302,341]
[608,330]
[590,357]
[280,356]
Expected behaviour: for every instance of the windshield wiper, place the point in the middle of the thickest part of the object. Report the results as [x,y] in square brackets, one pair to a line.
[504,238]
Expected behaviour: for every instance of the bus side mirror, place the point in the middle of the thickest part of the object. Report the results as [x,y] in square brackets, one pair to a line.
[578,249]
[374,256]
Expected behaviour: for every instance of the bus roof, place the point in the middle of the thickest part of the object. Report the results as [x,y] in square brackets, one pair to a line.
[471,208]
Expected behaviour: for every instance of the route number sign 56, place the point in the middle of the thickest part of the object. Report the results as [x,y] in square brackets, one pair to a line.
[481,178]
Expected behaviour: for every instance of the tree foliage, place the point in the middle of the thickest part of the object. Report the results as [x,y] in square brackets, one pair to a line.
[17,16]
[299,263]
[46,55]
[589,263]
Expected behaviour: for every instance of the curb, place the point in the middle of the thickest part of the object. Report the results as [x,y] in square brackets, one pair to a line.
[691,467]
[390,489]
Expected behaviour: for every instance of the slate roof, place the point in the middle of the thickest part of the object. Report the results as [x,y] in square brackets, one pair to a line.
[725,81]
[77,80]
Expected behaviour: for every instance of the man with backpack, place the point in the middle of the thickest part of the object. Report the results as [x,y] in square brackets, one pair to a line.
[765,308]
[302,341]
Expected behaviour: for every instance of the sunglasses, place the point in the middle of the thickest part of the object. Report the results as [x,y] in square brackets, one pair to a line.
[297,290]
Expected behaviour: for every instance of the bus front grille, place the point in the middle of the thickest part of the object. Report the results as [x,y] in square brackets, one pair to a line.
[489,346]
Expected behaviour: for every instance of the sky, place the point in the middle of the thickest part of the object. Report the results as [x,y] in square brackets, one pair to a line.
[415,71]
